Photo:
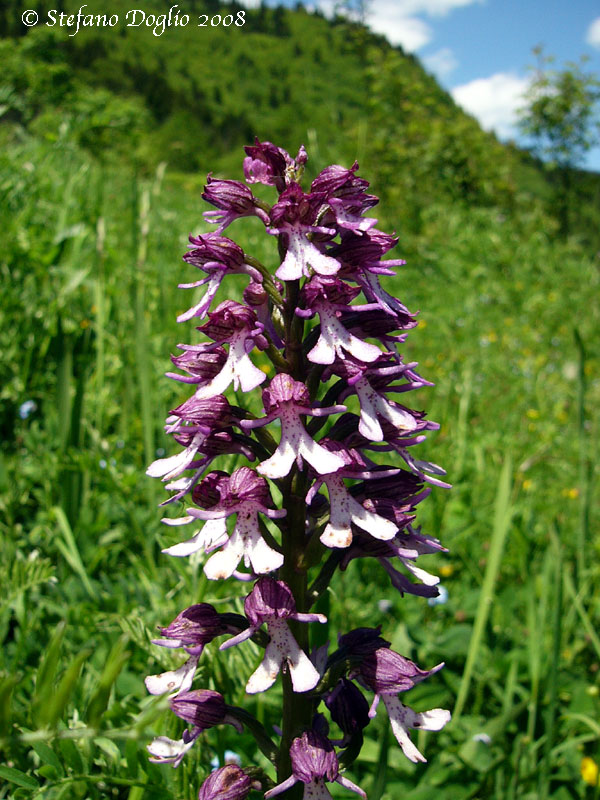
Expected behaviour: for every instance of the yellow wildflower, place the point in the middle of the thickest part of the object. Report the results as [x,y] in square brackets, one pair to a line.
[572,494]
[589,771]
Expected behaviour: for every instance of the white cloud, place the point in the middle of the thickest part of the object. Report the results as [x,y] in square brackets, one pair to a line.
[433,8]
[493,101]
[411,33]
[593,33]
[442,62]
[401,20]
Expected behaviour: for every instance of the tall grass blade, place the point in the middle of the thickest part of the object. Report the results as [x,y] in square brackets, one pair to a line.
[587,623]
[462,424]
[100,307]
[141,222]
[68,548]
[584,462]
[552,707]
[502,517]
[64,379]
[7,684]
[48,667]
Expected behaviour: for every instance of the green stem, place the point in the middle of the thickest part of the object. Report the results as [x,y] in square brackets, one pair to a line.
[297,708]
[323,579]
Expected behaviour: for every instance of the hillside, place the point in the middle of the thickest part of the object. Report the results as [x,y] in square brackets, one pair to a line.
[193,95]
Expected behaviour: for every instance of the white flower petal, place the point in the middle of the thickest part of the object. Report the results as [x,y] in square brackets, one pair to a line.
[224,563]
[173,465]
[213,534]
[168,751]
[266,673]
[280,462]
[323,461]
[178,680]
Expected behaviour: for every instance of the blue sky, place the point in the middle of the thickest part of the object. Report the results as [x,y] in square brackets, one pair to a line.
[480,49]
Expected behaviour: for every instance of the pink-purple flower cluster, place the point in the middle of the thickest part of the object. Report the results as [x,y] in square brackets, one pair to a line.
[320,337]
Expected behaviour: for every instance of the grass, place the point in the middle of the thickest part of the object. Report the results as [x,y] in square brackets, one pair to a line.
[509,335]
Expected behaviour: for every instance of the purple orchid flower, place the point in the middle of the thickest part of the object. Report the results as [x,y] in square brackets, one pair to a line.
[217,256]
[289,400]
[294,216]
[346,197]
[191,423]
[328,297]
[266,163]
[236,324]
[233,199]
[192,629]
[344,510]
[203,709]
[387,673]
[245,494]
[272,602]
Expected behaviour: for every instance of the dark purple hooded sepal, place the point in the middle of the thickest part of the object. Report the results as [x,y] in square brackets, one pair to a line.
[228,195]
[212,249]
[202,708]
[313,757]
[284,389]
[200,365]
[228,318]
[245,486]
[387,672]
[266,163]
[348,707]
[270,599]
[335,177]
[227,783]
[195,627]
[361,642]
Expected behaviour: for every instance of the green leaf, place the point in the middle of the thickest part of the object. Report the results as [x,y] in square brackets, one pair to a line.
[17,575]
[48,772]
[52,711]
[20,778]
[99,700]
[68,547]
[48,756]
[47,670]
[72,755]
[7,684]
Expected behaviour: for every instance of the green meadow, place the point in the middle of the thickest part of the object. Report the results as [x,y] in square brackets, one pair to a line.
[96,205]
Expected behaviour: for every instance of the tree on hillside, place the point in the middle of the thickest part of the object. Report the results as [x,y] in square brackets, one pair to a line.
[561,115]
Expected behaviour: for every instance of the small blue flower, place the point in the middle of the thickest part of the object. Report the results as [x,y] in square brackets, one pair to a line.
[27,408]
[441,599]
